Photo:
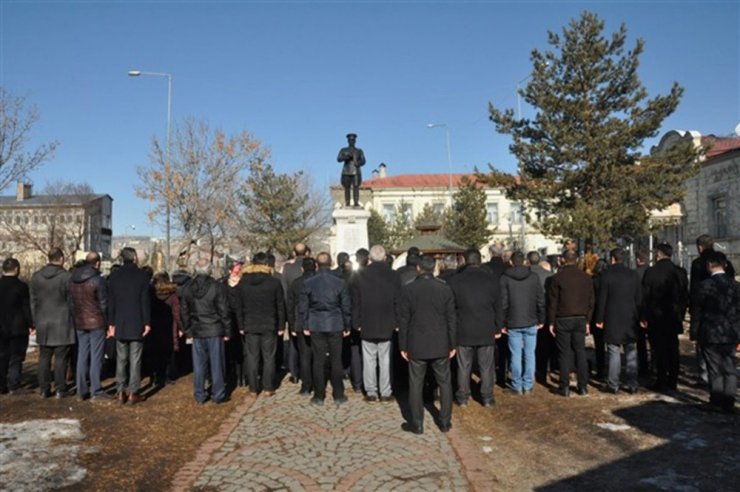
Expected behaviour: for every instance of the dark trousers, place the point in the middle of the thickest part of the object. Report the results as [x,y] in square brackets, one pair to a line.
[570,336]
[302,347]
[546,358]
[351,181]
[502,357]
[12,354]
[720,360]
[128,365]
[352,355]
[664,344]
[90,345]
[209,358]
[234,355]
[643,360]
[321,344]
[417,372]
[61,355]
[600,353]
[486,366]
[260,346]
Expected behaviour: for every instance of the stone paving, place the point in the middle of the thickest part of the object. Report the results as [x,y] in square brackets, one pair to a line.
[285,443]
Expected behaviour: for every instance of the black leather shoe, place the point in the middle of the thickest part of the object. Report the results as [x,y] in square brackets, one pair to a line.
[583,391]
[564,392]
[45,393]
[371,398]
[632,390]
[407,427]
[293,379]
[386,399]
[341,400]
[611,390]
[445,427]
[317,401]
[462,404]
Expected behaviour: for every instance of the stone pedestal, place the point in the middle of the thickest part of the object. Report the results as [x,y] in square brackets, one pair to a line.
[349,230]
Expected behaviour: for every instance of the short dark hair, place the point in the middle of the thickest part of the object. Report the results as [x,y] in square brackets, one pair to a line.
[413,250]
[271,259]
[427,263]
[128,255]
[665,248]
[362,256]
[533,257]
[413,260]
[705,241]
[308,265]
[570,257]
[323,259]
[149,271]
[617,254]
[11,265]
[472,256]
[55,254]
[517,258]
[716,259]
[342,258]
[260,258]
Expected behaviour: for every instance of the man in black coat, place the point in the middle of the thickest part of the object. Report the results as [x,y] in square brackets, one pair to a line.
[478,325]
[301,343]
[699,273]
[88,296]
[665,299]
[375,293]
[261,321]
[129,315]
[55,332]
[618,315]
[408,272]
[15,325]
[644,358]
[546,356]
[325,311]
[427,337]
[716,325]
[570,304]
[205,317]
[523,314]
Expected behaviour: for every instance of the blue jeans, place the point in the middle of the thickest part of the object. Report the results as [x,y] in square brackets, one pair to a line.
[90,344]
[209,352]
[522,344]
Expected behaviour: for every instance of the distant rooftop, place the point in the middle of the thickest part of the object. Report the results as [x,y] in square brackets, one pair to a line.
[416,181]
[720,145]
[46,200]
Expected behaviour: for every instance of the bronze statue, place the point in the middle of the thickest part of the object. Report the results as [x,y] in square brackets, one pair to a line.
[353,159]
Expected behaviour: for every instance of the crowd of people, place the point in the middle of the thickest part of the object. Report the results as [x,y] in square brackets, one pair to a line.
[516,318]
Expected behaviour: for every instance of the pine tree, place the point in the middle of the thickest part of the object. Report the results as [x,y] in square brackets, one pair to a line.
[579,160]
[428,216]
[400,228]
[466,223]
[377,229]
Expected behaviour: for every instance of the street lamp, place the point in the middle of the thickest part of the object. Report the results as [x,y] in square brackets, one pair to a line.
[137,73]
[449,156]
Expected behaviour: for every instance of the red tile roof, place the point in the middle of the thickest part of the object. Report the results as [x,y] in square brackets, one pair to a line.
[719,146]
[416,181]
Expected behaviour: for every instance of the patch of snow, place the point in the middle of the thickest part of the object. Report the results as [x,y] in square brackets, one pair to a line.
[40,454]
[486,438]
[613,427]
[487,449]
[670,480]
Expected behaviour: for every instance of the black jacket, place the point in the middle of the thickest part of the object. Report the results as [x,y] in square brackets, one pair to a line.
[15,307]
[716,311]
[292,271]
[88,297]
[375,293]
[665,296]
[294,295]
[129,302]
[496,266]
[261,302]
[204,308]
[477,306]
[618,306]
[522,298]
[427,319]
[407,273]
[324,304]
[50,307]
[699,273]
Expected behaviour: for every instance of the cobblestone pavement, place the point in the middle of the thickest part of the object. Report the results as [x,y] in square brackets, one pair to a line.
[285,443]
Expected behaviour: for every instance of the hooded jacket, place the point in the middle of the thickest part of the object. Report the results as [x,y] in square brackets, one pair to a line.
[522,298]
[50,306]
[204,308]
[261,301]
[88,297]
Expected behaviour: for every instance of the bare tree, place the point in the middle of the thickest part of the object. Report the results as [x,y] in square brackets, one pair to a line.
[16,121]
[200,183]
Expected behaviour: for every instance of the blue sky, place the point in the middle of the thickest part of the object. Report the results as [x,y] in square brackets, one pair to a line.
[300,75]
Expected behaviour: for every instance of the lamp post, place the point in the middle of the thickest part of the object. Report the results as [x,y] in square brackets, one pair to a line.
[449,156]
[137,73]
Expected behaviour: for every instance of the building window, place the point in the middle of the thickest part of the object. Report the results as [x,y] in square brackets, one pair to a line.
[492,213]
[389,212]
[516,213]
[719,213]
[408,211]
[439,208]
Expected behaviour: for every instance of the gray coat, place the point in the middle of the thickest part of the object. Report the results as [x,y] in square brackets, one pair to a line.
[50,308]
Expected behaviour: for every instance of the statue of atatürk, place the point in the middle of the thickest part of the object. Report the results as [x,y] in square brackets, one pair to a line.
[353,159]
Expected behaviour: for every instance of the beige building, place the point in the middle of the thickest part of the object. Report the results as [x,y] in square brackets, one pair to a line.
[384,193]
[712,202]
[31,224]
